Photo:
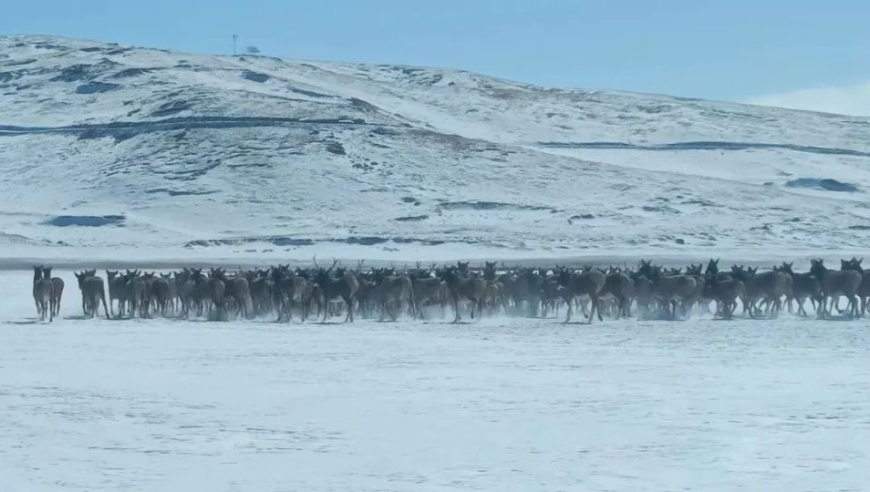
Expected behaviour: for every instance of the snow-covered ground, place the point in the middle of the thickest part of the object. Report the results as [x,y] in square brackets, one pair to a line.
[501,404]
[198,156]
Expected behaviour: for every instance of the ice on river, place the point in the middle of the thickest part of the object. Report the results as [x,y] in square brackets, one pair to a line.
[496,405]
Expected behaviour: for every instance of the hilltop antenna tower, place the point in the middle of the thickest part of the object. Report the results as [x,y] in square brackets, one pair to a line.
[235,38]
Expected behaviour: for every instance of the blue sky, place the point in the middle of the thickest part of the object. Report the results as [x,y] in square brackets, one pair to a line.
[770,51]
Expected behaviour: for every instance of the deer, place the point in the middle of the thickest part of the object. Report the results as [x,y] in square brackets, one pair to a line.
[461,287]
[836,283]
[589,283]
[93,291]
[725,292]
[42,294]
[392,292]
[673,290]
[57,286]
[345,287]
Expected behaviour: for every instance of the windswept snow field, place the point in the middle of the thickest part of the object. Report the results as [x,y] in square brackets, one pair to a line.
[496,405]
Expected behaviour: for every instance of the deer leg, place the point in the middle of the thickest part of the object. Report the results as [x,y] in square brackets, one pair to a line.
[105,307]
[455,300]
[286,307]
[388,307]
[593,306]
[570,310]
[349,302]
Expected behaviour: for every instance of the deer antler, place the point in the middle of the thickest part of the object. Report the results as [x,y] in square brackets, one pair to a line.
[314,259]
[334,262]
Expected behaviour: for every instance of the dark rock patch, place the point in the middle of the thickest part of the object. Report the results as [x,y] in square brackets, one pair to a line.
[72,74]
[660,208]
[179,192]
[75,73]
[335,148]
[309,93]
[131,72]
[18,63]
[860,227]
[287,241]
[171,107]
[49,46]
[255,76]
[474,205]
[364,106]
[118,51]
[381,130]
[822,184]
[366,240]
[700,201]
[411,218]
[96,88]
[86,220]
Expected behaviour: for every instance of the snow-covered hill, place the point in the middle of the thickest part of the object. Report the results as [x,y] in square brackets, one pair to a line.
[174,155]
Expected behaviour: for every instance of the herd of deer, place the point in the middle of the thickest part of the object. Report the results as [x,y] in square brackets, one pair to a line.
[280,291]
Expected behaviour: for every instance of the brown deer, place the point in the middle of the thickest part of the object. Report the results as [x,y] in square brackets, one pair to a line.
[93,291]
[836,283]
[725,292]
[42,294]
[392,292]
[57,286]
[621,287]
[162,292]
[117,291]
[864,289]
[344,288]
[804,285]
[239,288]
[291,291]
[673,290]
[769,287]
[216,289]
[589,284]
[461,287]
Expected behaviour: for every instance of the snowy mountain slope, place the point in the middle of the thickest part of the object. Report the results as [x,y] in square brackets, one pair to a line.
[201,156]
